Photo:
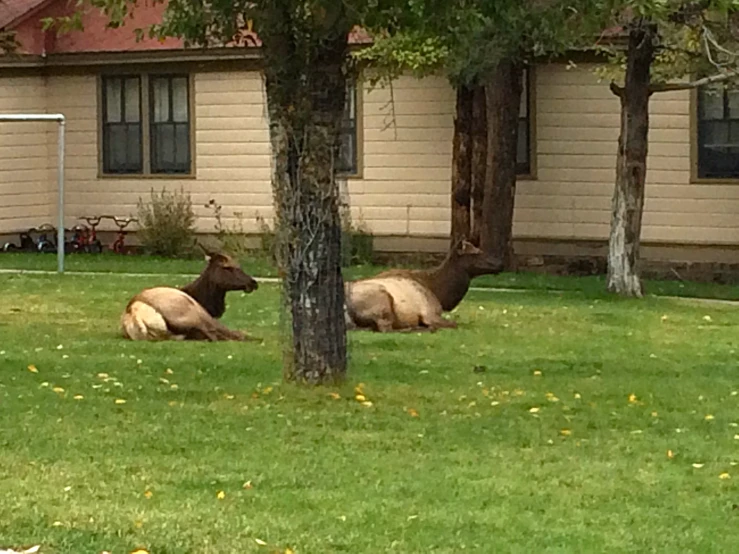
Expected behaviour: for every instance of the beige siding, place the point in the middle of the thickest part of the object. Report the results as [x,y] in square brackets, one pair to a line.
[231,151]
[26,195]
[405,167]
[407,147]
[577,132]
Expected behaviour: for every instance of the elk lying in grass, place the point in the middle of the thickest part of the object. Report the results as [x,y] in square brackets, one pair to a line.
[415,299]
[191,312]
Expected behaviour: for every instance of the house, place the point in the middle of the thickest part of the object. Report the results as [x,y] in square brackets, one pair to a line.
[153,114]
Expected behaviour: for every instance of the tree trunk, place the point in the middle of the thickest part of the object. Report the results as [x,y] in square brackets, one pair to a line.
[631,163]
[305,97]
[461,168]
[502,97]
[479,160]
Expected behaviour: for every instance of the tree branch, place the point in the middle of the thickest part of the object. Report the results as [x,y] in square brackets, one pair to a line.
[615,89]
[689,85]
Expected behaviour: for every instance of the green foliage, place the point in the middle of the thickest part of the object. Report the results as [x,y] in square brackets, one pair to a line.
[167,224]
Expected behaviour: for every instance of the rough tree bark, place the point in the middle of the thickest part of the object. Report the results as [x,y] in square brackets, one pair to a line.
[631,165]
[503,89]
[461,164]
[305,87]
[479,160]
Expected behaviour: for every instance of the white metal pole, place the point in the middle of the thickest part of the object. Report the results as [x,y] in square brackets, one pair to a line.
[59,118]
[60,180]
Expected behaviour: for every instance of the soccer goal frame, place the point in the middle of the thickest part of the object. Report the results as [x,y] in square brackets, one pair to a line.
[59,118]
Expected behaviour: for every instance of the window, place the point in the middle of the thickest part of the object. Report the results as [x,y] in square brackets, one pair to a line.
[146,134]
[348,163]
[718,133]
[523,153]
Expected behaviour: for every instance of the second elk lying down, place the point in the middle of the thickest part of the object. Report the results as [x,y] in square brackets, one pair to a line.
[189,313]
[415,299]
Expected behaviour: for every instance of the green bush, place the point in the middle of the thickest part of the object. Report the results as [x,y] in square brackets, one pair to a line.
[167,224]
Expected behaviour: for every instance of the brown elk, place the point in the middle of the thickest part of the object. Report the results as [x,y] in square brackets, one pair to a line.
[402,299]
[191,312]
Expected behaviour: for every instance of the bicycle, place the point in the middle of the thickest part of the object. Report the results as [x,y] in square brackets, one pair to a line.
[85,237]
[118,245]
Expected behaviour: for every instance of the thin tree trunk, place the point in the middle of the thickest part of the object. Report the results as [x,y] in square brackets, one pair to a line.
[502,97]
[305,95]
[479,160]
[461,168]
[631,165]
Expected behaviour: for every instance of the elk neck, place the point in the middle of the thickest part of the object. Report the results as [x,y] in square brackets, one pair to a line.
[208,295]
[449,282]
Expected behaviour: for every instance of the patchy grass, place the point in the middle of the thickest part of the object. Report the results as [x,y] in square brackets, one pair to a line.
[546,423]
[259,265]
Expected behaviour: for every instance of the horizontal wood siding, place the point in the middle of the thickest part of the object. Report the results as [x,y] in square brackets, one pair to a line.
[406,144]
[407,155]
[26,195]
[577,137]
[232,152]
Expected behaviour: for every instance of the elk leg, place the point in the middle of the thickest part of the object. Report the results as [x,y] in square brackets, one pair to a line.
[439,322]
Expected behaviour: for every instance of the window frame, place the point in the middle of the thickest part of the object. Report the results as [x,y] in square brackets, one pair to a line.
[695,142]
[528,172]
[146,108]
[357,89]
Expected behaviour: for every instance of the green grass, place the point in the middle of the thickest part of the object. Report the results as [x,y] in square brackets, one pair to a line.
[259,266]
[476,471]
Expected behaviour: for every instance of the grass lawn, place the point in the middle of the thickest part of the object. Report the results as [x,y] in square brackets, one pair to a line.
[547,422]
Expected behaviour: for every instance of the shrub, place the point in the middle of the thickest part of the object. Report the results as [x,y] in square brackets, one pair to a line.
[167,224]
[232,239]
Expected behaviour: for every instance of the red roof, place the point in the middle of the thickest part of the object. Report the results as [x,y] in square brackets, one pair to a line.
[13,10]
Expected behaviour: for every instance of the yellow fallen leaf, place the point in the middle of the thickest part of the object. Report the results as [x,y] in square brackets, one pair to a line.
[670,454]
[736,437]
[228,396]
[32,368]
[248,485]
[565,432]
[58,389]
[698,466]
[664,318]
[103,375]
[260,542]
[577,396]
[221,495]
[494,403]
[140,551]
[534,410]
[120,401]
[359,389]
[174,386]
[289,551]
[707,317]
[168,371]
[360,398]
[632,398]
[172,402]
[709,417]
[78,397]
[654,414]
[412,412]
[148,494]
[537,373]
[138,524]
[367,404]
[724,475]
[334,395]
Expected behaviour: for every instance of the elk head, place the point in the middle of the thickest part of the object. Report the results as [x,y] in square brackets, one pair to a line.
[473,260]
[225,273]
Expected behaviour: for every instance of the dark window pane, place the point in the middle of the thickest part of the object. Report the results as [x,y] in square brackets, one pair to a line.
[347,161]
[718,132]
[523,148]
[122,145]
[169,127]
